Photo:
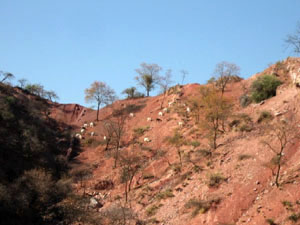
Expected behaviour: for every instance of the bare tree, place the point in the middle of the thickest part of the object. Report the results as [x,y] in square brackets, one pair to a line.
[164,83]
[51,95]
[148,76]
[281,135]
[101,93]
[293,40]
[22,82]
[223,73]
[130,164]
[184,73]
[6,76]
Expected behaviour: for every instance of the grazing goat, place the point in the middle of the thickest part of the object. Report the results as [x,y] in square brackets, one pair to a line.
[149,119]
[160,114]
[180,124]
[79,136]
[85,125]
[131,115]
[92,134]
[146,139]
[104,138]
[188,109]
[92,124]
[165,110]
[82,131]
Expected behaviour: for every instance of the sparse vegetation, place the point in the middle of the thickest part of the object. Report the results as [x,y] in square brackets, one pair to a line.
[215,179]
[244,157]
[245,100]
[168,193]
[264,87]
[201,206]
[151,211]
[271,222]
[264,116]
[294,217]
[140,131]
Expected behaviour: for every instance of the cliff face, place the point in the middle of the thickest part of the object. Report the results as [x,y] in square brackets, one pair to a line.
[183,184]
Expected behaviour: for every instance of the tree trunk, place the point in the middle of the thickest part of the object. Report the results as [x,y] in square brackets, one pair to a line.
[278,171]
[98,111]
[148,92]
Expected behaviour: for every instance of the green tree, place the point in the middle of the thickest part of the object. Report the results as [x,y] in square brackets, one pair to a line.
[132,93]
[148,76]
[101,93]
[264,87]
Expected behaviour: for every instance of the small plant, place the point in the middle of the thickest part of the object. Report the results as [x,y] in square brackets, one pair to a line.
[245,127]
[264,115]
[215,180]
[151,211]
[177,139]
[294,217]
[245,100]
[244,157]
[148,176]
[168,193]
[195,144]
[204,152]
[264,87]
[140,130]
[288,205]
[200,206]
[271,222]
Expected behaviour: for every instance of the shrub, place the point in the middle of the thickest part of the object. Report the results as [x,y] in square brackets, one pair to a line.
[168,193]
[245,127]
[245,100]
[215,180]
[244,156]
[264,115]
[140,130]
[271,222]
[152,210]
[200,206]
[264,87]
[294,217]
[195,144]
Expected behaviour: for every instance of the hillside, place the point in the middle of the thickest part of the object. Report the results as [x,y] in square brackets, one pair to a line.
[181,183]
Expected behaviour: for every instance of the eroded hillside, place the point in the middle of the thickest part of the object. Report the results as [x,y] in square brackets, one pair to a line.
[163,161]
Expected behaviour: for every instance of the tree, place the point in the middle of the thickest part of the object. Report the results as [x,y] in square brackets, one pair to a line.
[101,93]
[22,82]
[6,76]
[51,95]
[130,165]
[184,73]
[223,73]
[293,40]
[36,89]
[281,135]
[164,83]
[215,110]
[148,76]
[132,93]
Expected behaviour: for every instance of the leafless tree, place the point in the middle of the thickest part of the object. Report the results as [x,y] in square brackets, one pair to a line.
[22,82]
[148,76]
[281,135]
[293,40]
[223,74]
[184,73]
[101,93]
[164,83]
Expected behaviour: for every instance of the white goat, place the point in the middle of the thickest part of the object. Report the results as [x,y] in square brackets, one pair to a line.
[82,131]
[165,110]
[79,136]
[149,119]
[104,138]
[180,123]
[92,134]
[188,109]
[85,125]
[160,114]
[146,139]
[131,115]
[92,124]
[170,103]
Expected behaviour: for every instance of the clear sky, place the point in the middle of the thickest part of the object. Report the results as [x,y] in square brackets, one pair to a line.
[65,45]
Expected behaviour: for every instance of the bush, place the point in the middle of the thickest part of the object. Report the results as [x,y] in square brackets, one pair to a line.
[294,217]
[140,130]
[264,87]
[201,206]
[264,115]
[244,157]
[168,193]
[215,180]
[245,100]
[195,144]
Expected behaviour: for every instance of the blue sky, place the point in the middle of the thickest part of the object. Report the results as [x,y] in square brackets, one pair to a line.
[67,44]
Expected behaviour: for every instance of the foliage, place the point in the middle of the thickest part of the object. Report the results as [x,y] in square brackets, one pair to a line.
[148,76]
[168,193]
[34,181]
[264,116]
[140,130]
[245,100]
[100,93]
[177,139]
[244,157]
[271,222]
[294,217]
[215,180]
[201,206]
[216,110]
[5,76]
[132,93]
[264,87]
[152,210]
